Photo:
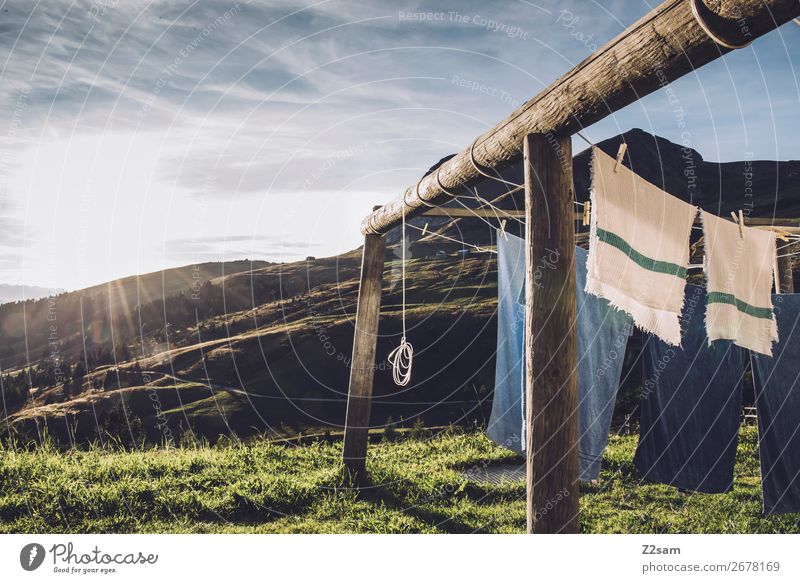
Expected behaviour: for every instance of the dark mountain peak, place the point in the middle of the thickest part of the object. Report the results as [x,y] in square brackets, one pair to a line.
[668,165]
[760,188]
[649,145]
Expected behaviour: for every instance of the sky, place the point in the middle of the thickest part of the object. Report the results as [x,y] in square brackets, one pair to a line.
[141,135]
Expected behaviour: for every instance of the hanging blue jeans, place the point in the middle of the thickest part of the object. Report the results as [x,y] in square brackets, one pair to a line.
[507,420]
[603,333]
[777,387]
[602,336]
[691,406]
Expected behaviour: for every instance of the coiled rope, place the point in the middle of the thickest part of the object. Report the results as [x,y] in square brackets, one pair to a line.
[706,18]
[402,357]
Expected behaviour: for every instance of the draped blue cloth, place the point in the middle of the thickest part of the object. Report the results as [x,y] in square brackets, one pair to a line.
[777,388]
[602,336]
[507,420]
[691,406]
[603,333]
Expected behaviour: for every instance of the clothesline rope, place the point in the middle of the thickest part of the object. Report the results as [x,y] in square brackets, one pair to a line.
[487,250]
[479,170]
[496,210]
[584,138]
[485,203]
[484,219]
[482,173]
[464,243]
[402,357]
[699,11]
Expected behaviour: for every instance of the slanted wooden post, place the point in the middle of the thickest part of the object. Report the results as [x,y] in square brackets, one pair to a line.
[551,382]
[362,368]
[785,271]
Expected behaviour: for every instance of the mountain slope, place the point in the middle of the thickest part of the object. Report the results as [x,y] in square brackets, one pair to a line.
[30,329]
[18,293]
[265,348]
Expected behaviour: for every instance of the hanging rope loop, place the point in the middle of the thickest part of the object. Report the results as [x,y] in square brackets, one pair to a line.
[482,172]
[441,186]
[419,196]
[402,359]
[718,28]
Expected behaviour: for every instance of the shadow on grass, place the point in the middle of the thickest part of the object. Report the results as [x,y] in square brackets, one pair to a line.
[418,504]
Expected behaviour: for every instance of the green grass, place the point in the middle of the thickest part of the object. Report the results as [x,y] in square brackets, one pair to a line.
[415,486]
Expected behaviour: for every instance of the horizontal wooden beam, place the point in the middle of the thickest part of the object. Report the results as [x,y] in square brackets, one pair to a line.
[482,213]
[486,213]
[491,213]
[662,46]
[780,228]
[775,222]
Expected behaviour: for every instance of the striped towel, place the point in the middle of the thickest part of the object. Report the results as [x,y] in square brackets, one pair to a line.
[739,270]
[639,247]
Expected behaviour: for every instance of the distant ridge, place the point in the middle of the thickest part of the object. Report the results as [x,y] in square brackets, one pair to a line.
[764,188]
[17,293]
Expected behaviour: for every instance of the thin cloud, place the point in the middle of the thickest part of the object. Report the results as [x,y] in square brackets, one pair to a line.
[263,106]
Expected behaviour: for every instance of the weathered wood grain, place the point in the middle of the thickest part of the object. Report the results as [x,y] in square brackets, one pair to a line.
[551,382]
[362,371]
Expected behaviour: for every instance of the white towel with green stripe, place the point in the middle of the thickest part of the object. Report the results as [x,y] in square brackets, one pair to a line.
[638,247]
[740,269]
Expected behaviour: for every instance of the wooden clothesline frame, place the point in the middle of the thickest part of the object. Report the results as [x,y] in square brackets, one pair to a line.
[783,225]
[676,38]
[780,223]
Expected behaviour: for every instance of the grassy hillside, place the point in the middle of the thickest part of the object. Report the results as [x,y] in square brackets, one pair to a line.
[273,356]
[102,317]
[417,485]
[242,348]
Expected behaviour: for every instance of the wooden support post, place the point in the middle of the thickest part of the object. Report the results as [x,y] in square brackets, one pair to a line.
[785,271]
[362,367]
[551,382]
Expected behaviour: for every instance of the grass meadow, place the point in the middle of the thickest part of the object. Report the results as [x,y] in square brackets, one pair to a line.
[415,484]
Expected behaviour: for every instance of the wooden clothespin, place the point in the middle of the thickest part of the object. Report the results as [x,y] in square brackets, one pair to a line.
[623,147]
[424,230]
[587,209]
[775,274]
[503,229]
[739,220]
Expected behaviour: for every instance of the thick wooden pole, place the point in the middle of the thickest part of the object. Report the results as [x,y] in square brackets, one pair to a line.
[362,371]
[662,46]
[785,270]
[551,382]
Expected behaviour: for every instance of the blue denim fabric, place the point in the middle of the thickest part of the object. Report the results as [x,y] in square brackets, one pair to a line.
[602,336]
[691,406]
[777,391]
[507,420]
[603,333]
